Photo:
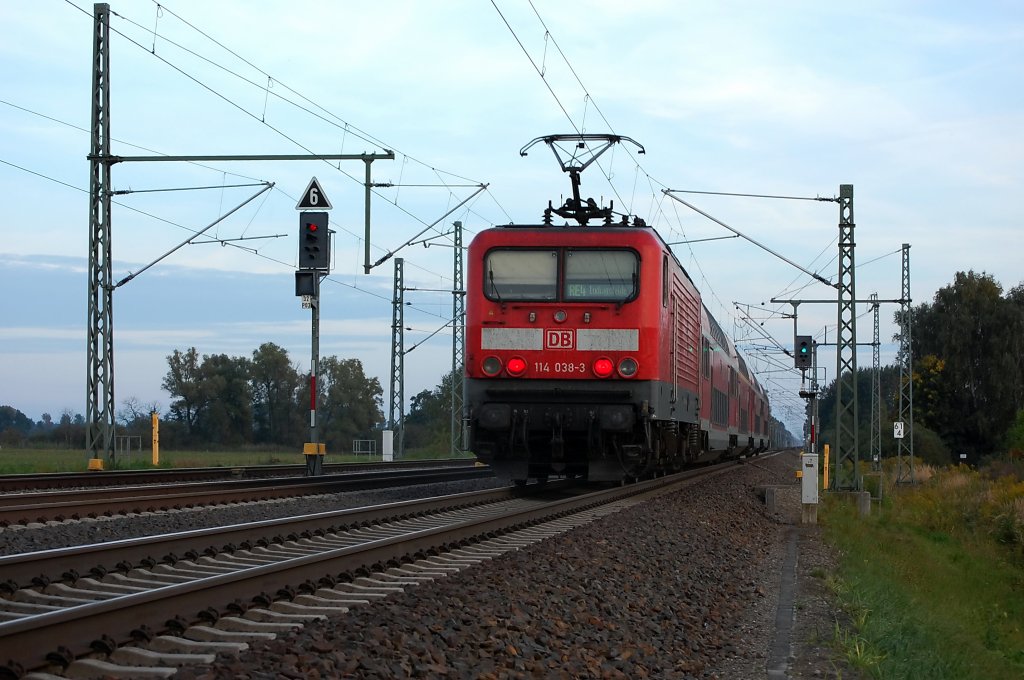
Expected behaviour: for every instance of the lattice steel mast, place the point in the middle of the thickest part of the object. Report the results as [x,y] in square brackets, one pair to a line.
[876,392]
[458,344]
[99,405]
[396,413]
[905,446]
[846,350]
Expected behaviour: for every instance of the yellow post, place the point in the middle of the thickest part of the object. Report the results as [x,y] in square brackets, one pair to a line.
[314,453]
[156,438]
[825,466]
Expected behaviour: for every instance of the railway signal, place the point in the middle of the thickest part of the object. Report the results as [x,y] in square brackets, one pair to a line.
[307,284]
[314,241]
[802,356]
[313,198]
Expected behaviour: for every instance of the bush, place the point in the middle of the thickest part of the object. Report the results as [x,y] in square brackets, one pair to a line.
[929,447]
[1015,437]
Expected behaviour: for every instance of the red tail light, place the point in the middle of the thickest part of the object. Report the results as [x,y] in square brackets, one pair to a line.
[603,367]
[516,366]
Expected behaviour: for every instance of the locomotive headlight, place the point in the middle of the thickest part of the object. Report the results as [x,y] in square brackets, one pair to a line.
[561,316]
[516,366]
[603,367]
[491,366]
[628,367]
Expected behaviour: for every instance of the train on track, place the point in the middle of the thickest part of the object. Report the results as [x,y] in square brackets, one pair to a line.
[589,353]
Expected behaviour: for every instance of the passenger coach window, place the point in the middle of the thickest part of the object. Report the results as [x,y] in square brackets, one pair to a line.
[606,275]
[521,275]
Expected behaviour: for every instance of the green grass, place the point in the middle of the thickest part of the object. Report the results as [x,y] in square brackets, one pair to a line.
[24,461]
[931,589]
[15,461]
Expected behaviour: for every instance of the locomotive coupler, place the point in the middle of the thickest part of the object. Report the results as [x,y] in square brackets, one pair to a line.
[518,430]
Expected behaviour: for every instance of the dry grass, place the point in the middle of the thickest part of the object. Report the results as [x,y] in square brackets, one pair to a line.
[934,577]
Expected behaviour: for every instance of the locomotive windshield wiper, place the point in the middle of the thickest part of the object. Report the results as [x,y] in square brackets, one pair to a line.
[494,288]
[636,287]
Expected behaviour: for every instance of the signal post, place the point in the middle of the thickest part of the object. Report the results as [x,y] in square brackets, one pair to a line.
[314,265]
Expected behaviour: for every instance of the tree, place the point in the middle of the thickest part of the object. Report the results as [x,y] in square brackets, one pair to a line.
[275,383]
[888,383]
[226,417]
[134,416]
[71,429]
[212,398]
[970,341]
[230,401]
[429,423]
[350,403]
[1015,436]
[928,389]
[182,383]
[12,418]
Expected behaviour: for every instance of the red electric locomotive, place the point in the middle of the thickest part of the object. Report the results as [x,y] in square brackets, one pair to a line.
[589,352]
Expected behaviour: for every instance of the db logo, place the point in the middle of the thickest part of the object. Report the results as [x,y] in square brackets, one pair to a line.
[559,338]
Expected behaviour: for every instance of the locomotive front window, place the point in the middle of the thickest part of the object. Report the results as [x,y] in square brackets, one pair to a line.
[605,275]
[521,275]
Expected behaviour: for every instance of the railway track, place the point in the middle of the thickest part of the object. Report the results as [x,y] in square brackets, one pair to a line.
[268,577]
[43,506]
[65,480]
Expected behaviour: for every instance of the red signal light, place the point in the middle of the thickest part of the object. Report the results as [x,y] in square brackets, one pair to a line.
[516,366]
[603,367]
[310,226]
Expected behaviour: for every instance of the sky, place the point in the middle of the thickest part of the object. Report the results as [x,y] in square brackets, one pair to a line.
[918,105]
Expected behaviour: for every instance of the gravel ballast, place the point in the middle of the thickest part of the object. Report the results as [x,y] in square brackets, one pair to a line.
[681,586]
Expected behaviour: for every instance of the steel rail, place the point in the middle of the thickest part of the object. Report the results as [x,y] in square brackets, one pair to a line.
[45,480]
[122,619]
[23,570]
[44,506]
